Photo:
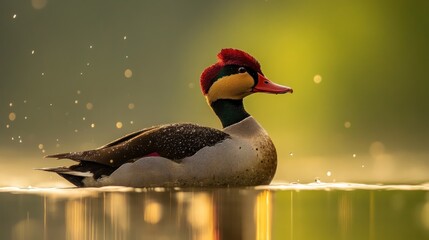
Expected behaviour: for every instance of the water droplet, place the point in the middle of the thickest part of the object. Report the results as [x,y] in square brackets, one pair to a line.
[84,118]
[354,155]
[14,16]
[20,140]
[128,73]
[32,52]
[363,166]
[12,116]
[75,131]
[328,173]
[13,138]
[7,125]
[90,46]
[25,101]
[125,37]
[25,117]
[89,106]
[126,57]
[43,150]
[131,122]
[317,79]
[119,125]
[50,104]
[76,101]
[131,106]
[291,154]
[347,124]
[81,73]
[78,92]
[10,104]
[87,64]
[92,125]
[40,146]
[43,74]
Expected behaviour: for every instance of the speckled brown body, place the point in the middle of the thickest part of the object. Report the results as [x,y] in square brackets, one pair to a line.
[247,158]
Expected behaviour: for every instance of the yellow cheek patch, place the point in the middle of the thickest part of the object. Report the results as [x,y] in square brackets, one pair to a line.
[235,86]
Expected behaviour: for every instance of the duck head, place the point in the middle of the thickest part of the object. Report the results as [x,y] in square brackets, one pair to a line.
[235,76]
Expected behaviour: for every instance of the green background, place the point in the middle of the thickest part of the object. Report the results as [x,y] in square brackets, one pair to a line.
[365,121]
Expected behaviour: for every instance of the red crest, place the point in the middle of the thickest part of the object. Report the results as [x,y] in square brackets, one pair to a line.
[227,56]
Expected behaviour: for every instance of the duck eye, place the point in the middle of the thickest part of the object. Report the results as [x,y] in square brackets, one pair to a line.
[242,70]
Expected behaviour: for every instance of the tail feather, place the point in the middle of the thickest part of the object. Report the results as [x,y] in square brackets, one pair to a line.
[74,177]
[77,173]
[59,156]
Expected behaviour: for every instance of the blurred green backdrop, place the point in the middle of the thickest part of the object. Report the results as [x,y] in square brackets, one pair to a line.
[78,74]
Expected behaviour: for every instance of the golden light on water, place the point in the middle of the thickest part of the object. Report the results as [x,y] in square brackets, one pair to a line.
[263,215]
[152,212]
[75,219]
[201,216]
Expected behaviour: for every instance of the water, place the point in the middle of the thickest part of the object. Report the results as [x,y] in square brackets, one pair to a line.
[279,211]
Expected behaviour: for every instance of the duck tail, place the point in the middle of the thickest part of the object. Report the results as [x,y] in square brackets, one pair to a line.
[75,177]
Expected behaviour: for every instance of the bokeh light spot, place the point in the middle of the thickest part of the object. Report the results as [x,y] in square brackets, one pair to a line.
[128,73]
[119,125]
[38,4]
[317,79]
[89,106]
[131,106]
[12,116]
[347,124]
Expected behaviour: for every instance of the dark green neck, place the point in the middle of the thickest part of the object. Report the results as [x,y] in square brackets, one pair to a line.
[229,111]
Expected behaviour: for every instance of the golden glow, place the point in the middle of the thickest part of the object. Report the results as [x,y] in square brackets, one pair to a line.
[201,216]
[345,214]
[263,215]
[116,208]
[425,214]
[131,106]
[75,216]
[119,125]
[152,212]
[235,86]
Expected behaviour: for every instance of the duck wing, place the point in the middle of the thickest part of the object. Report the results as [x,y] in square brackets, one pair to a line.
[172,141]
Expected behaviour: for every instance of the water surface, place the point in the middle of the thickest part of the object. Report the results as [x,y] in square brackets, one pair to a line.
[279,211]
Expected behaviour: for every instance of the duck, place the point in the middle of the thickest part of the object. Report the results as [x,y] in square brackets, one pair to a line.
[186,154]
